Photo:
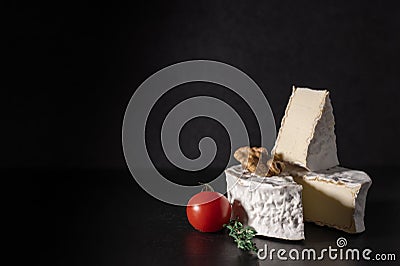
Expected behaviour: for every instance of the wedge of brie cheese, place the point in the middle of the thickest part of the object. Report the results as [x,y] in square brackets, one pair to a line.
[271,205]
[307,136]
[334,197]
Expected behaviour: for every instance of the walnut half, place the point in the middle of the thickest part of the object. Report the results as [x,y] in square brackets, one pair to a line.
[255,160]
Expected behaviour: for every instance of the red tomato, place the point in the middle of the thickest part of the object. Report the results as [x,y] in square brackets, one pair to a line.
[208,211]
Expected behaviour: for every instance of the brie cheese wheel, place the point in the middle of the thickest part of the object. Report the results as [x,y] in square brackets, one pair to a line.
[306,137]
[271,205]
[334,197]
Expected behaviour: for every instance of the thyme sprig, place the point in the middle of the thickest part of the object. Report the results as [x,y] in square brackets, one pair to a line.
[243,236]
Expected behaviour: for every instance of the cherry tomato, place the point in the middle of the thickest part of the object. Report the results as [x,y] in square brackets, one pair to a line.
[208,211]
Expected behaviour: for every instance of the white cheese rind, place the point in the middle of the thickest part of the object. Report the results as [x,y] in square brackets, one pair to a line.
[272,205]
[306,136]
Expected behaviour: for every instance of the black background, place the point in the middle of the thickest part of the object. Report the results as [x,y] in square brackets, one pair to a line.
[69,71]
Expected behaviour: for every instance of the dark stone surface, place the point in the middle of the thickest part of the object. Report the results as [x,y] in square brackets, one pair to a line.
[78,217]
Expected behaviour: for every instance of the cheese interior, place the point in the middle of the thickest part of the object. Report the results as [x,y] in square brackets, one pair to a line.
[333,197]
[306,136]
[329,204]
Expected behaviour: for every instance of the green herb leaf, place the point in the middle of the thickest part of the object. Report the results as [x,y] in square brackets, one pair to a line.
[243,236]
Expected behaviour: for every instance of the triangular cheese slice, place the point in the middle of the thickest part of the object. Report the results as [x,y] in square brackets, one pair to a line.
[306,137]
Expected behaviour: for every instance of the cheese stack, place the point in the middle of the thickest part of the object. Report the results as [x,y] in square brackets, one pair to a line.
[331,195]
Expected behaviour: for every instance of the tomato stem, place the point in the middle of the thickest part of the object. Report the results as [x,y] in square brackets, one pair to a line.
[207,187]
